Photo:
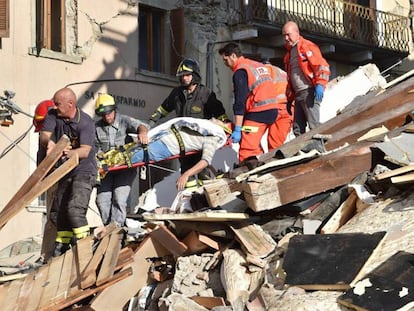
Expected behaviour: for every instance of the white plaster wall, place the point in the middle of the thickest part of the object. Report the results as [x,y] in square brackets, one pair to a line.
[111,54]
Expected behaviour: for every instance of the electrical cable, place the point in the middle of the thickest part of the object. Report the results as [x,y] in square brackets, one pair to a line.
[15,144]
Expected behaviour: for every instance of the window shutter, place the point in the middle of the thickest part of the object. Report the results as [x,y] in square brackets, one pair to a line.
[4,19]
[177,38]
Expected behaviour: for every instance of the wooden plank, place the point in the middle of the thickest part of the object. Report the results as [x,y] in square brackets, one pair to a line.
[4,288]
[392,173]
[341,215]
[279,163]
[110,258]
[209,302]
[254,240]
[41,171]
[9,302]
[198,216]
[89,274]
[312,261]
[390,286]
[216,192]
[168,240]
[39,277]
[405,179]
[125,257]
[65,277]
[116,296]
[297,182]
[53,278]
[25,293]
[82,254]
[197,242]
[80,295]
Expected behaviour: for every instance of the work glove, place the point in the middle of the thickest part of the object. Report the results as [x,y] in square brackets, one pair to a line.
[319,93]
[289,107]
[236,135]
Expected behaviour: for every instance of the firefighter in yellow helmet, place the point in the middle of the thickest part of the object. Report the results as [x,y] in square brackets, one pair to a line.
[112,132]
[190,99]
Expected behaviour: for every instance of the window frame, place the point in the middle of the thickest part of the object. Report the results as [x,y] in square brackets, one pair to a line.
[171,38]
[4,18]
[51,31]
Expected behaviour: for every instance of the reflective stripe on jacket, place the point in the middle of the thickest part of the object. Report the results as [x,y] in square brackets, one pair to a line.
[311,62]
[262,95]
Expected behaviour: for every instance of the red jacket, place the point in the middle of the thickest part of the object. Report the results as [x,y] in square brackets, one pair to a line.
[262,95]
[310,60]
[279,78]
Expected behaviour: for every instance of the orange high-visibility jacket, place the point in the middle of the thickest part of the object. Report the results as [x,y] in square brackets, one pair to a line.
[279,78]
[311,62]
[262,95]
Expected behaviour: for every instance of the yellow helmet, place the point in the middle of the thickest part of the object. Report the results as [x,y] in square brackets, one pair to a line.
[104,104]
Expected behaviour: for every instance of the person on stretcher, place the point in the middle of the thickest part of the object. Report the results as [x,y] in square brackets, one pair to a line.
[174,137]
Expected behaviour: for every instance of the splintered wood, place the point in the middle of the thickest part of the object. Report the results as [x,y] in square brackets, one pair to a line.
[64,280]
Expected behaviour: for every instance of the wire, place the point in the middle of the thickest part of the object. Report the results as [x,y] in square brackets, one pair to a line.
[15,144]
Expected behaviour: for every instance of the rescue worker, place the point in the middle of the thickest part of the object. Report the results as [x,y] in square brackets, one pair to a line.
[49,230]
[284,120]
[190,99]
[308,73]
[176,137]
[255,103]
[73,191]
[111,132]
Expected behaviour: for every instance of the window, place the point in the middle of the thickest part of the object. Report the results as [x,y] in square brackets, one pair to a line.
[56,28]
[151,43]
[161,39]
[50,30]
[4,18]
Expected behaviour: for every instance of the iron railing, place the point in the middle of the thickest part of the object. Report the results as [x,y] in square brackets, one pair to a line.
[333,18]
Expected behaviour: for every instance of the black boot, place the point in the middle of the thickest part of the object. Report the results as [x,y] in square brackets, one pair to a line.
[60,249]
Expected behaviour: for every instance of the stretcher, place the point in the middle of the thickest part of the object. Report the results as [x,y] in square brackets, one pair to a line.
[143,163]
[103,170]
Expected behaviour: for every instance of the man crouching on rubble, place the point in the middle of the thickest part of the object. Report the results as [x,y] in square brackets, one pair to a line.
[177,137]
[73,192]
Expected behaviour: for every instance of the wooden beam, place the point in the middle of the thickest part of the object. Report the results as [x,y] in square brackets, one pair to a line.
[42,170]
[395,172]
[37,189]
[297,182]
[363,114]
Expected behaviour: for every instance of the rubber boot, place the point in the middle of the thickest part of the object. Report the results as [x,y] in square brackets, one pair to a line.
[60,249]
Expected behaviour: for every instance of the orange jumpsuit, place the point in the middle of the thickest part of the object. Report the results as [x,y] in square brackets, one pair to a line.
[262,97]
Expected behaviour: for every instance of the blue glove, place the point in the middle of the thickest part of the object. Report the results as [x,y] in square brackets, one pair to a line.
[236,135]
[318,93]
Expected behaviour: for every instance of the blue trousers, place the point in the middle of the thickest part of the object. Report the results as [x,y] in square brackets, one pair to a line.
[157,151]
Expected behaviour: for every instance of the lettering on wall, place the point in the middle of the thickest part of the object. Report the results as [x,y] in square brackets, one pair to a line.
[120,100]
